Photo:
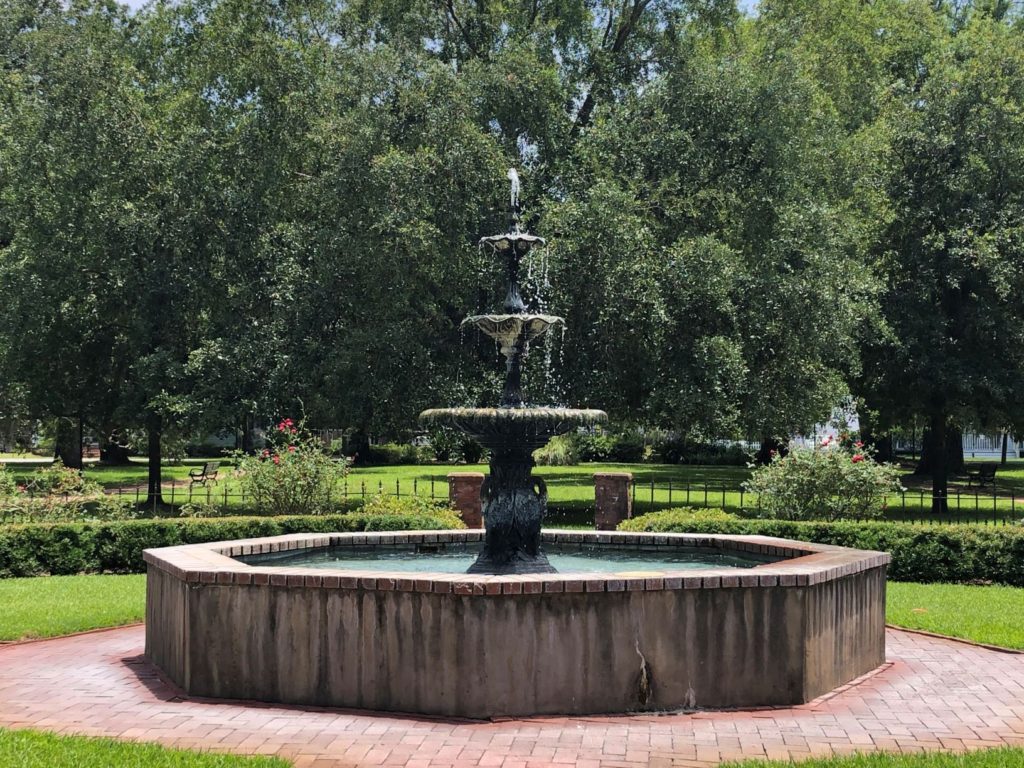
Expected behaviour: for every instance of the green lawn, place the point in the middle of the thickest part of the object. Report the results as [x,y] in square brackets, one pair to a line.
[990,758]
[59,605]
[56,605]
[32,749]
[993,615]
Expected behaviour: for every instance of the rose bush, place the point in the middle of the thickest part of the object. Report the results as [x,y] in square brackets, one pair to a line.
[293,475]
[837,479]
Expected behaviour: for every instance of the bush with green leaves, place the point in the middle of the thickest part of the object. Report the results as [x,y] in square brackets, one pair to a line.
[116,546]
[924,553]
[414,506]
[58,509]
[293,475]
[836,480]
[8,485]
[560,451]
[58,480]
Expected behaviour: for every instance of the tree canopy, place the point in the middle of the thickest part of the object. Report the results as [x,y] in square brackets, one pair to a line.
[219,211]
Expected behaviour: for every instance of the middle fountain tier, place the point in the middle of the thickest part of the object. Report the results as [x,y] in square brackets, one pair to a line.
[514,501]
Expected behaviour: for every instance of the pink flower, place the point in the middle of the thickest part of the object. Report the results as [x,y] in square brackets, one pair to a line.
[857,457]
[826,441]
[859,444]
[291,449]
[277,459]
[265,453]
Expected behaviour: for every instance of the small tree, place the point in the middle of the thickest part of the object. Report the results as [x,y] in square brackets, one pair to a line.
[838,479]
[294,474]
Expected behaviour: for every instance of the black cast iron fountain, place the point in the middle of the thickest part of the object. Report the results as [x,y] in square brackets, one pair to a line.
[514,501]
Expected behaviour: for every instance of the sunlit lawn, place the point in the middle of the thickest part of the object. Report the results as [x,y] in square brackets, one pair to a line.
[32,749]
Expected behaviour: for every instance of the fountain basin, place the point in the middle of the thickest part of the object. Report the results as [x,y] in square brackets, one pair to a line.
[468,645]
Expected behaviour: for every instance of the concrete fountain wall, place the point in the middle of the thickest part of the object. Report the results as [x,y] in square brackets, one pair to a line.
[482,646]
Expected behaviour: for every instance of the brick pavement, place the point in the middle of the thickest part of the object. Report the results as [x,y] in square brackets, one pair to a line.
[932,694]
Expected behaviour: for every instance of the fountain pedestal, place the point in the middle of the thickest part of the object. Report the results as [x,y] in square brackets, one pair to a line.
[515,503]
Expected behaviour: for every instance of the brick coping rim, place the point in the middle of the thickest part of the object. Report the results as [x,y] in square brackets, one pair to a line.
[805,564]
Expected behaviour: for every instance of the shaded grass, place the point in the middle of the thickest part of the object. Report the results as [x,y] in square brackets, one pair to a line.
[989,758]
[33,749]
[990,614]
[48,606]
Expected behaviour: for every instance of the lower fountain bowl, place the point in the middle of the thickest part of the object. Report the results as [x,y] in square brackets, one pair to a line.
[465,645]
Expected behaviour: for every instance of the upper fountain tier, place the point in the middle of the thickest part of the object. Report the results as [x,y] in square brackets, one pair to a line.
[510,330]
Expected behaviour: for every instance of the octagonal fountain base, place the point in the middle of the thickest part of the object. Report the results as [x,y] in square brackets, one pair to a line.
[778,633]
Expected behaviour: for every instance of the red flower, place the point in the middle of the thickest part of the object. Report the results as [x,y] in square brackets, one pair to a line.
[291,449]
[277,459]
[857,457]
[859,444]
[265,453]
[294,431]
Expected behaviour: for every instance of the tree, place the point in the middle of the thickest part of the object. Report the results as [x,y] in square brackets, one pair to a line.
[954,244]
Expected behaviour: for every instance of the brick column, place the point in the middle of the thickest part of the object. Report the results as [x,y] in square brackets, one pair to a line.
[613,501]
[464,494]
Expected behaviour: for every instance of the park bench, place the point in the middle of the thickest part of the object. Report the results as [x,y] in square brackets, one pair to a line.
[982,473]
[200,476]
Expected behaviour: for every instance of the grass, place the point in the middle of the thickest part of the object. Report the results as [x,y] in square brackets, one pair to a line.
[991,614]
[59,605]
[32,749]
[989,758]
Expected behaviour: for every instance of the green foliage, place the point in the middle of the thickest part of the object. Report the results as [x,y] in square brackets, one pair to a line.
[833,481]
[414,506]
[116,547]
[8,485]
[922,553]
[57,509]
[559,452]
[33,749]
[390,454]
[294,475]
[58,480]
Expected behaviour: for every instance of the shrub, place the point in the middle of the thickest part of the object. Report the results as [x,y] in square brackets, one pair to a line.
[58,480]
[444,443]
[57,509]
[471,450]
[116,547]
[414,506]
[559,452]
[923,553]
[390,454]
[8,485]
[676,450]
[836,480]
[294,475]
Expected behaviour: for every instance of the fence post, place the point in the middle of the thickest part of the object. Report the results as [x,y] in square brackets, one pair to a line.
[613,499]
[464,495]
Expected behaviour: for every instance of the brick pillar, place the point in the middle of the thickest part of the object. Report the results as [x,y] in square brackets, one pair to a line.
[464,494]
[613,501]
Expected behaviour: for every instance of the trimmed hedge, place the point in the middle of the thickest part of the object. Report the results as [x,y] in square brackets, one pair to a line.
[116,547]
[922,553]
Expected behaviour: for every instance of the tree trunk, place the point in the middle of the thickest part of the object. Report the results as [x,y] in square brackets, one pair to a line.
[68,448]
[770,446]
[1006,438]
[939,463]
[112,453]
[154,426]
[954,451]
[248,439]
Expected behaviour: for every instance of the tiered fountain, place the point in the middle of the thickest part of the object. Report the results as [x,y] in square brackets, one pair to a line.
[630,621]
[514,501]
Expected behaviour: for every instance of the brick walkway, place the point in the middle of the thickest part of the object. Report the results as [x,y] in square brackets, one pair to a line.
[933,694]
